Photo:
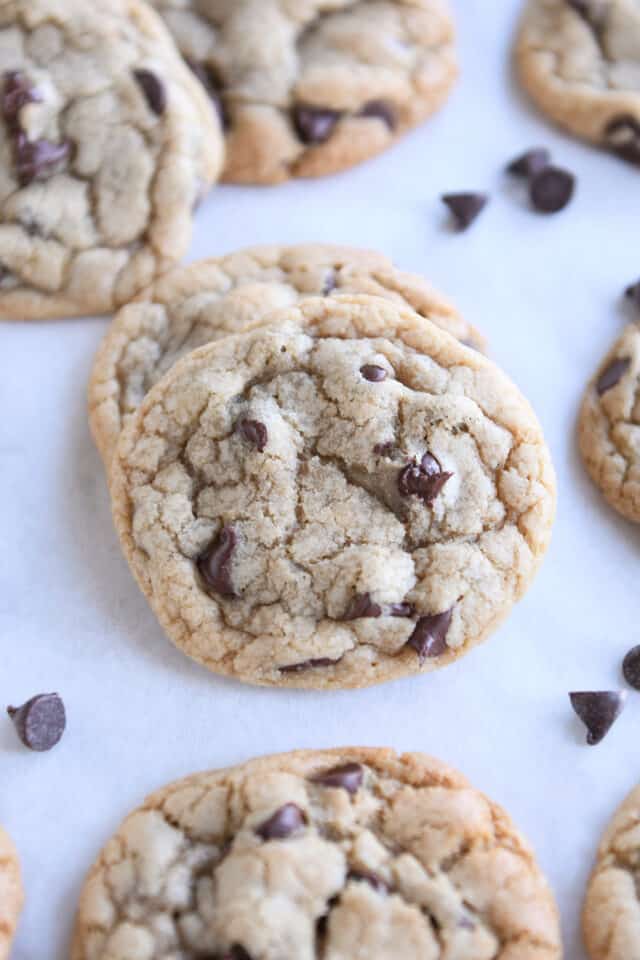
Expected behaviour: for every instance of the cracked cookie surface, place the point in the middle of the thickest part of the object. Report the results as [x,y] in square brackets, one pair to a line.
[10,893]
[580,61]
[609,425]
[331,854]
[194,305]
[309,88]
[106,143]
[344,498]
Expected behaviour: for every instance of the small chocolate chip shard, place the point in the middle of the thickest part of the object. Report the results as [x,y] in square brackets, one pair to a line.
[362,606]
[622,137]
[254,432]
[465,207]
[37,159]
[612,375]
[308,665]
[425,480]
[598,711]
[374,881]
[347,776]
[551,189]
[40,722]
[154,90]
[282,824]
[631,668]
[530,163]
[214,564]
[632,293]
[373,373]
[429,638]
[17,93]
[400,610]
[314,124]
[380,111]
[385,449]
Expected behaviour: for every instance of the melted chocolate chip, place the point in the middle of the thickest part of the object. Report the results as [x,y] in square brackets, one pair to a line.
[530,163]
[314,124]
[215,563]
[362,606]
[348,776]
[425,480]
[429,638]
[622,136]
[308,665]
[373,373]
[612,375]
[385,449]
[381,111]
[632,293]
[551,189]
[40,722]
[18,92]
[631,668]
[400,610]
[213,84]
[254,432]
[465,207]
[374,881]
[154,90]
[598,711]
[37,159]
[282,824]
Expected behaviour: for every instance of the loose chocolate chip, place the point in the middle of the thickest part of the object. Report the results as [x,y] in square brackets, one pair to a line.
[40,722]
[385,449]
[465,207]
[530,163]
[374,881]
[612,375]
[254,432]
[429,638]
[598,711]
[381,111]
[622,136]
[425,480]
[348,776]
[215,563]
[153,89]
[373,373]
[213,84]
[551,189]
[400,610]
[314,124]
[362,606]
[631,668]
[18,92]
[36,159]
[308,664]
[282,824]
[633,293]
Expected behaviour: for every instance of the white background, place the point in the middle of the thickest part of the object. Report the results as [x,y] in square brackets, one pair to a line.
[544,290]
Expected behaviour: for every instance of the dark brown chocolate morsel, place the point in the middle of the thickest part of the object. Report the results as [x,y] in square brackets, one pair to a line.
[429,638]
[154,90]
[381,111]
[465,207]
[612,374]
[330,283]
[598,710]
[18,91]
[237,953]
[211,81]
[347,776]
[425,480]
[631,668]
[314,124]
[282,824]
[37,159]
[551,189]
[40,722]
[214,564]
[385,449]
[362,606]
[373,373]
[254,432]
[622,136]
[374,881]
[400,610]
[308,665]
[530,163]
[632,293]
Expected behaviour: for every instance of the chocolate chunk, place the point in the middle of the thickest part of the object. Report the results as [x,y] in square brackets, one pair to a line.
[429,638]
[374,881]
[381,111]
[329,284]
[282,824]
[213,84]
[18,92]
[530,163]
[308,664]
[254,432]
[612,374]
[633,293]
[362,606]
[631,668]
[465,207]
[40,722]
[425,480]
[622,136]
[373,373]
[36,159]
[598,711]
[153,89]
[348,776]
[400,610]
[215,563]
[551,189]
[385,449]
[314,124]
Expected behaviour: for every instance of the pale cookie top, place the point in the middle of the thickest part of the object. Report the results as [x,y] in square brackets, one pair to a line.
[580,61]
[609,425]
[193,305]
[347,497]
[10,893]
[318,854]
[309,87]
[106,144]
[611,915]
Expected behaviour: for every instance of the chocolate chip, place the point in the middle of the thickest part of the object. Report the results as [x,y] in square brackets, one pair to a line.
[598,711]
[40,722]
[153,89]
[551,189]
[400,610]
[530,163]
[18,92]
[612,374]
[254,432]
[374,881]
[308,664]
[465,207]
[631,668]
[329,284]
[622,136]
[385,449]
[237,953]
[215,563]
[282,824]
[373,373]
[425,480]
[362,606]
[381,111]
[213,84]
[348,776]
[36,159]
[633,293]
[429,638]
[314,124]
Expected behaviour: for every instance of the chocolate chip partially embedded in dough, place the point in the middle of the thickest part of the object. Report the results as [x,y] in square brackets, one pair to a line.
[212,82]
[380,111]
[347,776]
[385,449]
[308,665]
[622,136]
[598,710]
[465,207]
[362,606]
[329,284]
[254,432]
[429,638]
[153,89]
[40,722]
[530,163]
[215,563]
[282,824]
[37,159]
[400,610]
[425,480]
[314,124]
[631,668]
[372,879]
[373,373]
[552,189]
[237,953]
[612,375]
[18,91]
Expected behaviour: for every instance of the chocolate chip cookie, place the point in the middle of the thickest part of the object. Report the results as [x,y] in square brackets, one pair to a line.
[609,425]
[335,854]
[193,305]
[309,88]
[346,497]
[580,61]
[106,143]
[10,893]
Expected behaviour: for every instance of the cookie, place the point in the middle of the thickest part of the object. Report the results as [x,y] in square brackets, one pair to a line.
[611,915]
[609,425]
[10,893]
[193,305]
[309,88]
[580,62]
[335,854]
[106,143]
[344,498]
